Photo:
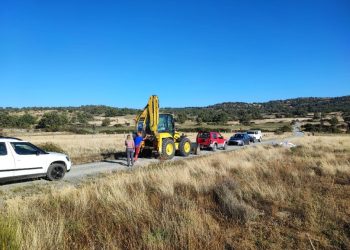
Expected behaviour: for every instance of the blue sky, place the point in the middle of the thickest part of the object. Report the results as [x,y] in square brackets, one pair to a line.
[190,53]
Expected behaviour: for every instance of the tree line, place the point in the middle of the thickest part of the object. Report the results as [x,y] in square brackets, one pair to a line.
[214,114]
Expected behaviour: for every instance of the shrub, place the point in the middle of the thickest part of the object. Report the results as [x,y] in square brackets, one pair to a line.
[110,112]
[83,117]
[228,196]
[202,128]
[106,122]
[25,121]
[80,131]
[53,121]
[12,121]
[245,120]
[51,147]
[181,118]
[298,150]
[220,118]
[283,129]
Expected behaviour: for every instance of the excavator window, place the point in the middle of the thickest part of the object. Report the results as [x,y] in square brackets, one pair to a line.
[166,123]
[140,126]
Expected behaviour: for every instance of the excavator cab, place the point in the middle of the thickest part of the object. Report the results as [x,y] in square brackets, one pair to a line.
[159,132]
[166,124]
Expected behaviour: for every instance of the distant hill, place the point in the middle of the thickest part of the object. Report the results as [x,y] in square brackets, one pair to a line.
[234,110]
[286,108]
[291,106]
[68,118]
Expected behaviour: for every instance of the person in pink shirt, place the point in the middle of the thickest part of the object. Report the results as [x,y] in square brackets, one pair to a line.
[130,149]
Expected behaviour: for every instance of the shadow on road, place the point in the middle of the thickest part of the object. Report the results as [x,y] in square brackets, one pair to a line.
[123,162]
[5,182]
[115,155]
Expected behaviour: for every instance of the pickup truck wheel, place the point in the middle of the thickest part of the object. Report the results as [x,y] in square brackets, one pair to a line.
[56,171]
[225,146]
[260,140]
[215,147]
[185,147]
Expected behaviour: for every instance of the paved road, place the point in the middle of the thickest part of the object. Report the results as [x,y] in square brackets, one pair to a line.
[81,172]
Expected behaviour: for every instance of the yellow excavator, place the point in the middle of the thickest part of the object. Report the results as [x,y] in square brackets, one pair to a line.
[158,131]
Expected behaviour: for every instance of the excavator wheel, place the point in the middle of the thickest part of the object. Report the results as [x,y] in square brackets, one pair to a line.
[168,149]
[185,147]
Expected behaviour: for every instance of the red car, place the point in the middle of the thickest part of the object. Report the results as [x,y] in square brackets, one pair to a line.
[211,140]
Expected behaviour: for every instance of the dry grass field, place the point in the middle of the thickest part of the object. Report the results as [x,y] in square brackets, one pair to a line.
[88,148]
[264,197]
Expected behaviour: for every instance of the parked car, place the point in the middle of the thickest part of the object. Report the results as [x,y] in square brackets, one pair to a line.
[211,140]
[251,138]
[256,134]
[240,139]
[21,159]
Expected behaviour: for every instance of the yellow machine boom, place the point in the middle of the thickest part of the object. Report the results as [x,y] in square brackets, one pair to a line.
[150,113]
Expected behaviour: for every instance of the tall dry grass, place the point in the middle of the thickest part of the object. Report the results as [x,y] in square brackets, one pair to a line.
[260,197]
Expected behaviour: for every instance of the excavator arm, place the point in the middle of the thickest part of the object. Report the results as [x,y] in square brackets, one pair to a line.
[149,115]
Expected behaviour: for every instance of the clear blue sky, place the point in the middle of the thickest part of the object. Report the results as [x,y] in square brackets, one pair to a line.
[190,53]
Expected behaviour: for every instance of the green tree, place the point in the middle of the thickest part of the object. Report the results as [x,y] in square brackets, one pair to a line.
[317,116]
[110,112]
[346,117]
[333,121]
[181,118]
[25,121]
[53,121]
[286,128]
[106,122]
[245,119]
[6,121]
[221,118]
[199,120]
[84,117]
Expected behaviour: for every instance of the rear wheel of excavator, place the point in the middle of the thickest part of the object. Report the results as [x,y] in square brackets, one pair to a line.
[185,147]
[168,149]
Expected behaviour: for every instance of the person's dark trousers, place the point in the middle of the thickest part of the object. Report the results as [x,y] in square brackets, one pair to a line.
[130,156]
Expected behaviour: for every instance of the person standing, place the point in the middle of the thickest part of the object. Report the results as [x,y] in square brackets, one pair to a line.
[130,148]
[137,141]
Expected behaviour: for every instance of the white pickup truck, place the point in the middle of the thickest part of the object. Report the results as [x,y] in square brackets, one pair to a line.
[256,134]
[20,160]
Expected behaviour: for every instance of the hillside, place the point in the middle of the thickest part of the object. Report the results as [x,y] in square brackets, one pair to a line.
[96,118]
[295,106]
[288,106]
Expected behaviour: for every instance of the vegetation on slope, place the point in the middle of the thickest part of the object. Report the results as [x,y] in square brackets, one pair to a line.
[263,197]
[77,119]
